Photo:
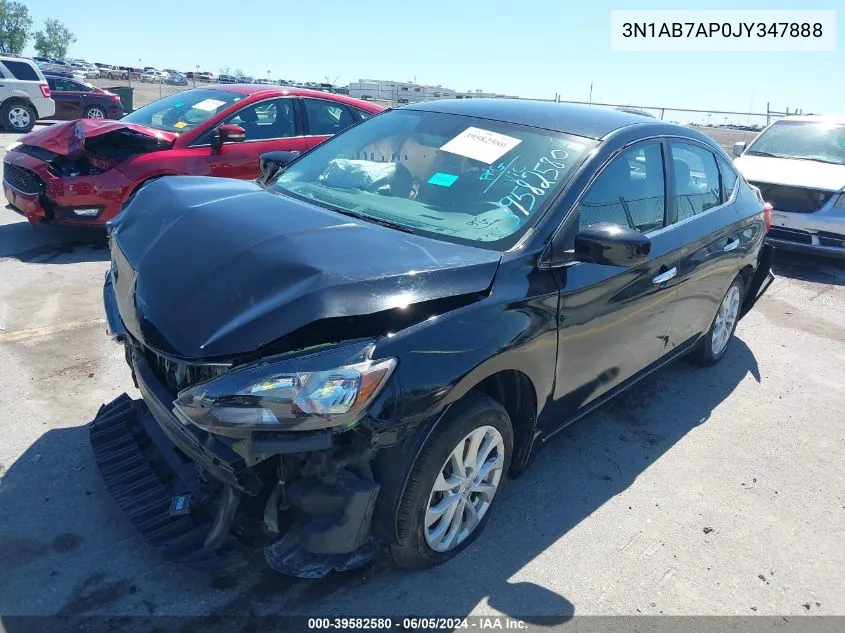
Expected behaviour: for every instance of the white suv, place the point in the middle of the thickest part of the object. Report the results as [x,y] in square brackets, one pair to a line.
[24,94]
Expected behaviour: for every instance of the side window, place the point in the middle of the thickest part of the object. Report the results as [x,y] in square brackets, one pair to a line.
[22,70]
[729,179]
[326,117]
[696,179]
[630,191]
[266,120]
[363,114]
[52,83]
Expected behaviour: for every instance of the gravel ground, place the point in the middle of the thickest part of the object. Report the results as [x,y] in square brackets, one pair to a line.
[703,491]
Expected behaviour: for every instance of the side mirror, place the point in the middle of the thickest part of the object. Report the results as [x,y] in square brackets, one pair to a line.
[611,245]
[228,133]
[271,163]
[739,148]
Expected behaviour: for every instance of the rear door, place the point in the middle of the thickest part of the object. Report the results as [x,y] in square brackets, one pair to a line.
[324,118]
[67,105]
[708,224]
[76,95]
[271,124]
[613,321]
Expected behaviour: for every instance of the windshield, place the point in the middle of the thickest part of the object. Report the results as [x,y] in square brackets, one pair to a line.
[183,111]
[802,139]
[453,177]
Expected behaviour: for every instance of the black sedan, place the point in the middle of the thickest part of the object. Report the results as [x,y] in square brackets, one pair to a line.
[79,100]
[356,352]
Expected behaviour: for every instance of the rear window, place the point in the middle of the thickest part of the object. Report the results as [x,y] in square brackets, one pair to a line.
[22,70]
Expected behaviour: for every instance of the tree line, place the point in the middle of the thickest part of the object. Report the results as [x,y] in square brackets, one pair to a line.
[16,30]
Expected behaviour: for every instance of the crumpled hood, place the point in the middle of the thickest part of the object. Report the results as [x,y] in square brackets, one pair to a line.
[68,138]
[213,267]
[794,173]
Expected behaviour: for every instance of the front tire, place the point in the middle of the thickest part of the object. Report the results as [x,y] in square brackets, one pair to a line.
[715,343]
[452,484]
[18,116]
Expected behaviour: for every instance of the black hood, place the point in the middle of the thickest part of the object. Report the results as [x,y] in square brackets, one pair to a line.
[213,267]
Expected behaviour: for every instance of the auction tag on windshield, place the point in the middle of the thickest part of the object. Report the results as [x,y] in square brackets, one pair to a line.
[180,124]
[481,145]
[208,105]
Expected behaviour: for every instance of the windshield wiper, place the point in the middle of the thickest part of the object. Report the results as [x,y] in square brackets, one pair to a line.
[754,152]
[819,160]
[369,218]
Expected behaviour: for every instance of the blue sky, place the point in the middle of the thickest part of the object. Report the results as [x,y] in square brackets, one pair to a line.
[532,49]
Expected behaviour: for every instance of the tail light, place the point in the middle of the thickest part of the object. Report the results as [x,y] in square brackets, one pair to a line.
[45,90]
[767,216]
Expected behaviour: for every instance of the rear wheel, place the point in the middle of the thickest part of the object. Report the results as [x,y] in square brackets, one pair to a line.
[18,116]
[452,484]
[94,112]
[715,343]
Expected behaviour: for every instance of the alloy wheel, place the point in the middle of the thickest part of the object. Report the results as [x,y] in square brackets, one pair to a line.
[464,488]
[96,113]
[19,118]
[725,320]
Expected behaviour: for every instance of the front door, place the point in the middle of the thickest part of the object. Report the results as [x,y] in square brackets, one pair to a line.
[613,321]
[269,125]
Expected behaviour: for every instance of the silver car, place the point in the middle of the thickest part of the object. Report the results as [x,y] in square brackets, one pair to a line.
[798,163]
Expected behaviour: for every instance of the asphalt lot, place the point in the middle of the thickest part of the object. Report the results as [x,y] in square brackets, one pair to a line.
[702,491]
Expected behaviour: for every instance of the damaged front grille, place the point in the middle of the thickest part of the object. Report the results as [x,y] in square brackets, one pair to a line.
[22,179]
[793,199]
[177,376]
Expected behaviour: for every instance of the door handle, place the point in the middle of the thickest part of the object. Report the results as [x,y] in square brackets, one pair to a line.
[732,244]
[662,278]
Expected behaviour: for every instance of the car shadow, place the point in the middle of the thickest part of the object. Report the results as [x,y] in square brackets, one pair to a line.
[52,244]
[813,268]
[52,494]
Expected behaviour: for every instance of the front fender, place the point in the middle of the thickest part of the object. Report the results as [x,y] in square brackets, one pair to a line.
[444,357]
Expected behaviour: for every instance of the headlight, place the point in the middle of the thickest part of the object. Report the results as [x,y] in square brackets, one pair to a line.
[328,389]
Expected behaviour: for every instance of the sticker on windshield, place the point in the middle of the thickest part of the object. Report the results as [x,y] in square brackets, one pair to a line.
[442,180]
[207,105]
[180,124]
[481,145]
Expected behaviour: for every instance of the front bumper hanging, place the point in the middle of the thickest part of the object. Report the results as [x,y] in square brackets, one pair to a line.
[145,475]
[194,514]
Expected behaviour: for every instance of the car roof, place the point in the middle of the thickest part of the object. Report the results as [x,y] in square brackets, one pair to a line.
[268,90]
[814,118]
[581,120]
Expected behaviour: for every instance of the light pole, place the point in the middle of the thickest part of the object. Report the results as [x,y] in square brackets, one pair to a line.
[195,75]
[268,76]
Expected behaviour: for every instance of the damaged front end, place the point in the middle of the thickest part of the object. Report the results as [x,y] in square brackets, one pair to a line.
[268,408]
[67,172]
[307,497]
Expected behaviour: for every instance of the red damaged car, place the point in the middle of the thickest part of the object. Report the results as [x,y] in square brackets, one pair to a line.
[81,172]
